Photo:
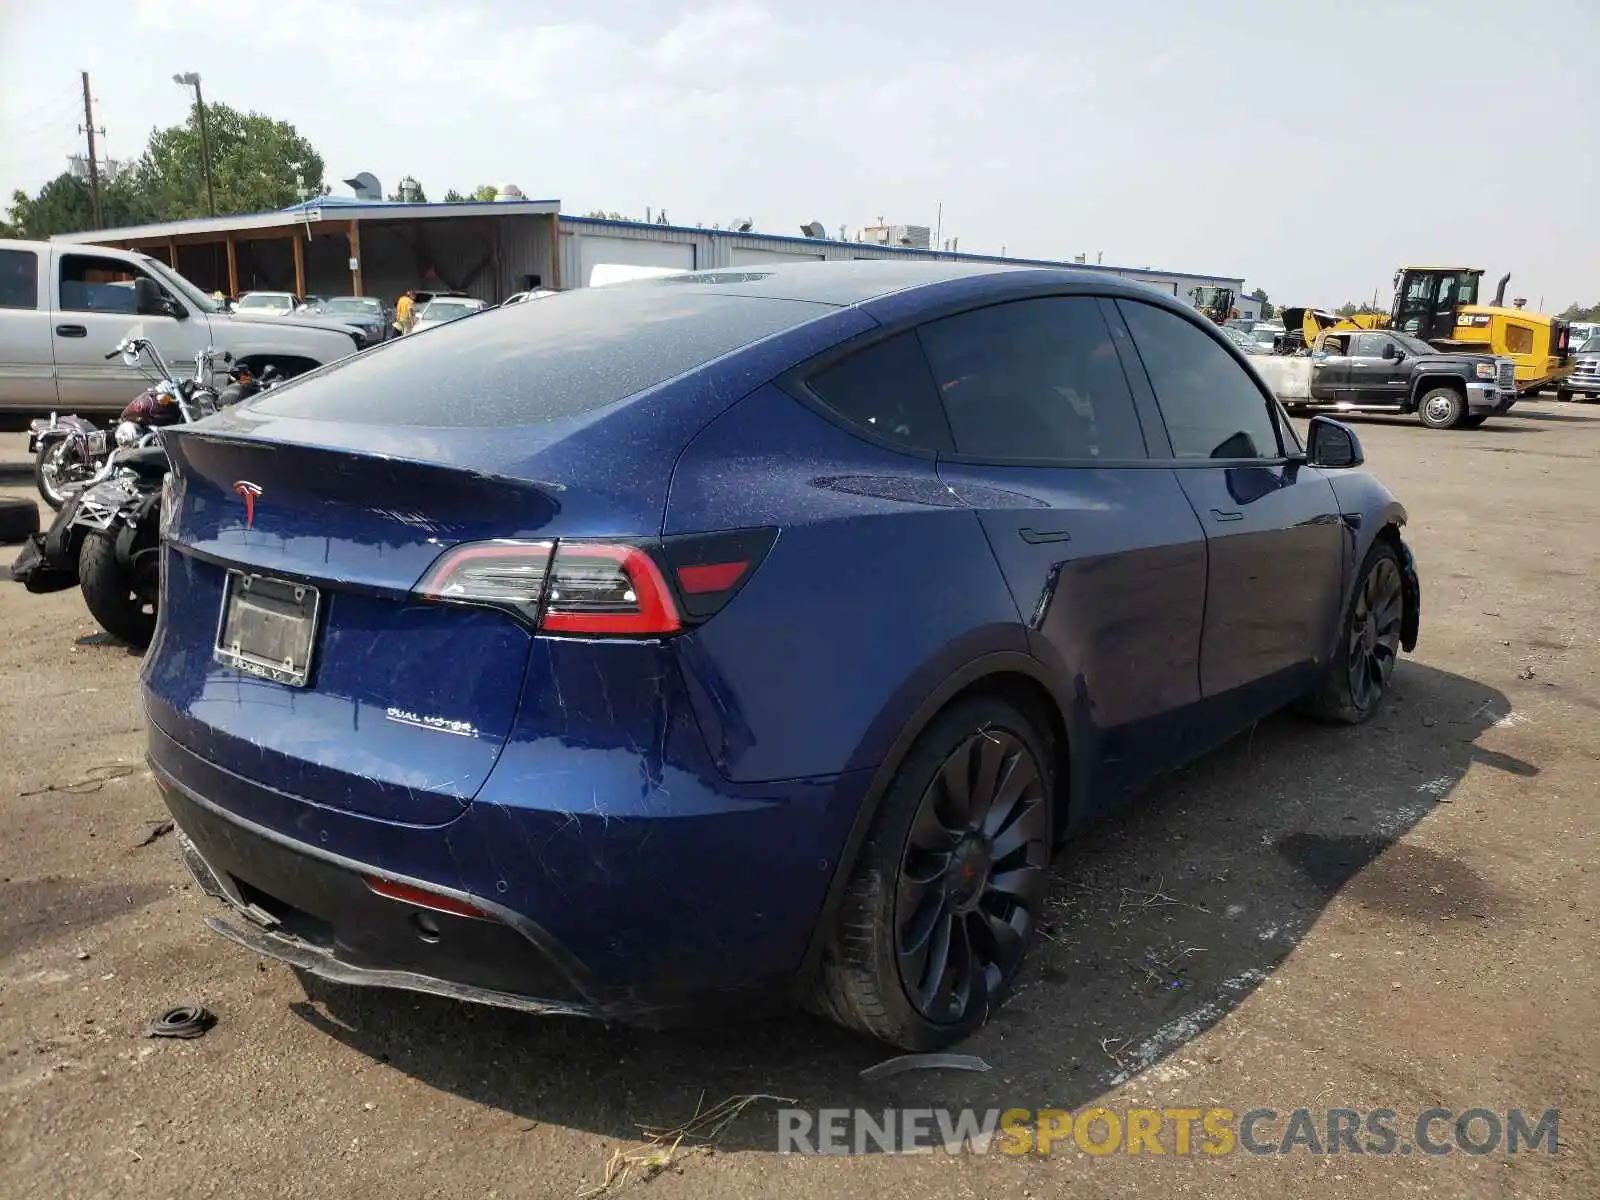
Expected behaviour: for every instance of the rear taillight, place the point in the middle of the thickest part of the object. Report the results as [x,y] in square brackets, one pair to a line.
[565,587]
[600,588]
[709,568]
[607,589]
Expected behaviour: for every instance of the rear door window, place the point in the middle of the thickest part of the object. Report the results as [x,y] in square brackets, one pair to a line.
[885,390]
[1034,380]
[19,279]
[1212,406]
[534,363]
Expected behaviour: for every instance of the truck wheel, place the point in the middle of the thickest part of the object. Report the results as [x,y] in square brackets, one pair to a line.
[1442,408]
[19,519]
[109,593]
[1563,395]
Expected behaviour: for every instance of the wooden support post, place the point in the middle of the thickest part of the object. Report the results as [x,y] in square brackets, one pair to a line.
[299,265]
[354,237]
[233,268]
[172,253]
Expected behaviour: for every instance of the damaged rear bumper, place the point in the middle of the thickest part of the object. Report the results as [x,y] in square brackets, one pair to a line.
[315,911]
[705,904]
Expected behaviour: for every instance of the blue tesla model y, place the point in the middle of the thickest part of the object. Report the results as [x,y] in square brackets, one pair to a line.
[739,633]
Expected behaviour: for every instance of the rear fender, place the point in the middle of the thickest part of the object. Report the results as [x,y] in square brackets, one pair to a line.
[1003,662]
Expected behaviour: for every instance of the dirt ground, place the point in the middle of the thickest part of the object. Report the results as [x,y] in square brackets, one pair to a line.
[1399,916]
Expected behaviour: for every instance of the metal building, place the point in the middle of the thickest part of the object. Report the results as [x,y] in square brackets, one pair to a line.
[344,246]
[587,242]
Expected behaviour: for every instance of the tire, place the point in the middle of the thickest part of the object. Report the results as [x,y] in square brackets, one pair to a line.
[1441,408]
[1563,395]
[19,519]
[1473,420]
[46,472]
[1358,677]
[926,888]
[108,592]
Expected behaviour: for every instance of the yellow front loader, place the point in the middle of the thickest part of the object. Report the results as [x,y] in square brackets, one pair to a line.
[1440,306]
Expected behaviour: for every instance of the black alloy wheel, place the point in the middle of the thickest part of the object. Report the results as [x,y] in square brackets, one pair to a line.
[972,879]
[1374,642]
[948,886]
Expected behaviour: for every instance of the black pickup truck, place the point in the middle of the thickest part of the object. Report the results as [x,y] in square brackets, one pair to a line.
[1385,371]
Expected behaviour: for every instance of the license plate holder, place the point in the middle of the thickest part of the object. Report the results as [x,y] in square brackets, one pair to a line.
[268,627]
[97,441]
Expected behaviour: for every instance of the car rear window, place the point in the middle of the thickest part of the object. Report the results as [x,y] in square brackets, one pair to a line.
[533,363]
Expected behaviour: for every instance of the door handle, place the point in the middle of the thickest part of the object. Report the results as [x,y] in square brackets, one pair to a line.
[1226,515]
[71,331]
[1317,366]
[1036,537]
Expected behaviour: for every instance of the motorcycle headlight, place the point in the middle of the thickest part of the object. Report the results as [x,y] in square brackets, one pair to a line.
[128,434]
[1485,370]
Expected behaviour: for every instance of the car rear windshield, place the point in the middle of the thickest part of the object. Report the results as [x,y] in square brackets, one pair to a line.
[532,363]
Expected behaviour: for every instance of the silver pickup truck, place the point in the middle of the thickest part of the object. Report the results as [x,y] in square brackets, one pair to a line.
[64,307]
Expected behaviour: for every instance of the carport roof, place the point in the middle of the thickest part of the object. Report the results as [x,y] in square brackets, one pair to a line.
[324,208]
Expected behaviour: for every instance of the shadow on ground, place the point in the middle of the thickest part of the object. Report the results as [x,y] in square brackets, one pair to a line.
[1160,922]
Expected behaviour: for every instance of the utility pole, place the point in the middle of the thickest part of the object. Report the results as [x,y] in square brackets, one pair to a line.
[94,164]
[190,79]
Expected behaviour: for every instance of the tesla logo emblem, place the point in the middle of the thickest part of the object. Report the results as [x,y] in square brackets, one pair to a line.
[248,492]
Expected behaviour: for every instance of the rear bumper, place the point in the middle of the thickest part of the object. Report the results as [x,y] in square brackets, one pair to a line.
[313,909]
[706,904]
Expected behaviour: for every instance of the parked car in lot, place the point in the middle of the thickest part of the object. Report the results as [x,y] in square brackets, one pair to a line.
[441,310]
[363,313]
[1386,371]
[64,307]
[524,297]
[271,304]
[673,644]
[1584,382]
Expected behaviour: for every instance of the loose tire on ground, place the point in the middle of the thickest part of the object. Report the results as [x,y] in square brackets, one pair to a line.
[19,519]
[1369,644]
[1563,395]
[108,592]
[1441,408]
[983,896]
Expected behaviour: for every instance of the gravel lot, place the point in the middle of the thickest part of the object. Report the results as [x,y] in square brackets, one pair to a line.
[1398,916]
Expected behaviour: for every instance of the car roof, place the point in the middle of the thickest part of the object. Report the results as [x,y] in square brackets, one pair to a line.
[864,280]
[285,295]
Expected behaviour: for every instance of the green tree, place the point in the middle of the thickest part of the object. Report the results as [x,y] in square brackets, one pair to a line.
[1350,308]
[453,197]
[1267,310]
[1579,312]
[257,164]
[485,191]
[65,205]
[603,215]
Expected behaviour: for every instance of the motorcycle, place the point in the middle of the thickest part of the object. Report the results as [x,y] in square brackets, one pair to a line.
[106,537]
[68,451]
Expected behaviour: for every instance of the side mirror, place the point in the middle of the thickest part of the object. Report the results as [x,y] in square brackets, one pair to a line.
[150,301]
[1391,351]
[1333,445]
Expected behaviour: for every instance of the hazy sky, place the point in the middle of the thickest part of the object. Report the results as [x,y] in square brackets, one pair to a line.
[1309,148]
